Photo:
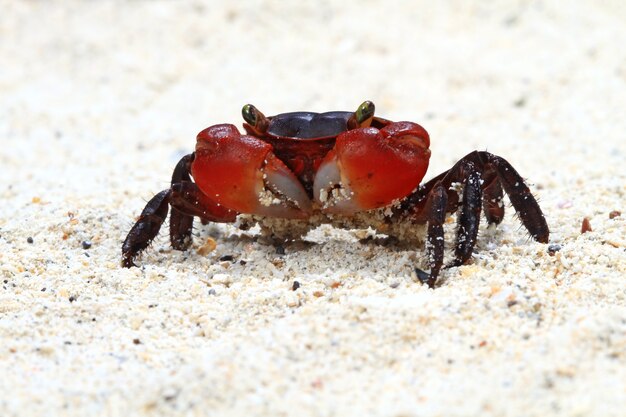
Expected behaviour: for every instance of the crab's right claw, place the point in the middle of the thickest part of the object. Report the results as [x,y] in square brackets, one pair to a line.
[370,168]
[242,173]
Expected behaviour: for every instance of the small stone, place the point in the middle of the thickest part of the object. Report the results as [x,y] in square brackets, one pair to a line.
[520,102]
[86,244]
[280,250]
[614,214]
[554,248]
[586,226]
[207,248]
[222,279]
[295,285]
[278,262]
[30,239]
[136,341]
[227,258]
[423,276]
[45,350]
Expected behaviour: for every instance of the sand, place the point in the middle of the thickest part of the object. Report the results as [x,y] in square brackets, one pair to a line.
[99,100]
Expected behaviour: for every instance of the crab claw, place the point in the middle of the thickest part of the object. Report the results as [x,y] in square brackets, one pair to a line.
[242,173]
[370,168]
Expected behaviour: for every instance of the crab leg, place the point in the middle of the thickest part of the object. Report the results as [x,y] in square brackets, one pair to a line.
[492,197]
[146,228]
[187,201]
[181,224]
[469,218]
[484,177]
[522,199]
[436,209]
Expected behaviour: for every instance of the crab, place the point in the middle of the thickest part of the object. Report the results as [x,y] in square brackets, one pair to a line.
[349,169]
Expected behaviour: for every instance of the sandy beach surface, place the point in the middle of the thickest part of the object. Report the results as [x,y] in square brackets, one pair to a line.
[99,100]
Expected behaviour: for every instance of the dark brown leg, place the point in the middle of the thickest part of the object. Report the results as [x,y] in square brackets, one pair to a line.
[469,218]
[187,199]
[522,199]
[436,212]
[493,205]
[484,176]
[146,228]
[181,225]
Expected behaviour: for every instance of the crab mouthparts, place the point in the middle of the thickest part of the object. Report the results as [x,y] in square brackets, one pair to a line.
[280,193]
[331,191]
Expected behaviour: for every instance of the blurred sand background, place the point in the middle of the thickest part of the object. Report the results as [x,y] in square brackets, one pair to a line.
[99,100]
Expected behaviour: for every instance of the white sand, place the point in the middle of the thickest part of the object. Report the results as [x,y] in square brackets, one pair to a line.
[98,100]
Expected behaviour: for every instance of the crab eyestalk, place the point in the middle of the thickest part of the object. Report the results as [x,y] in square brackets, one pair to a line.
[255,119]
[363,115]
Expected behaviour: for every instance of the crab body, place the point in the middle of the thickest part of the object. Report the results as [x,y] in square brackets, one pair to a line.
[305,163]
[332,168]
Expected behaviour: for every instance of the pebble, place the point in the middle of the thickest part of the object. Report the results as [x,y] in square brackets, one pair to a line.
[554,248]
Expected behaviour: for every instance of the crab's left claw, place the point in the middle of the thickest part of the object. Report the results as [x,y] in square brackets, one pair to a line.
[370,168]
[242,173]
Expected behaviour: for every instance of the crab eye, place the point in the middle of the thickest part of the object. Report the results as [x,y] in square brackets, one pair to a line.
[365,112]
[249,113]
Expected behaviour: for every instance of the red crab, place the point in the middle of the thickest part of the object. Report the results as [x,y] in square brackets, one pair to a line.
[330,167]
